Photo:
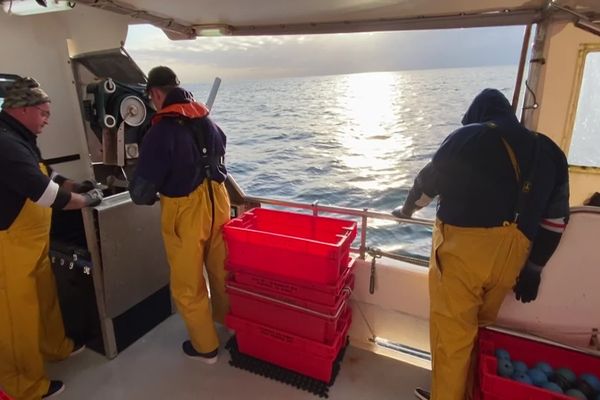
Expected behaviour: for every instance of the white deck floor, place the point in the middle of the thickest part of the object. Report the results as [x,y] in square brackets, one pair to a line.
[154,368]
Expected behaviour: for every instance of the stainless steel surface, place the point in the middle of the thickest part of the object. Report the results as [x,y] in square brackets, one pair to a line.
[106,325]
[399,257]
[363,214]
[134,263]
[408,350]
[355,212]
[363,234]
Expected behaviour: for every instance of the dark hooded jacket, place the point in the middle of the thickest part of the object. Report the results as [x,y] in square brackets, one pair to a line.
[476,181]
[172,159]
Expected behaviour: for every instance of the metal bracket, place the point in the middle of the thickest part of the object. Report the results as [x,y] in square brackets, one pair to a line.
[594,342]
[375,253]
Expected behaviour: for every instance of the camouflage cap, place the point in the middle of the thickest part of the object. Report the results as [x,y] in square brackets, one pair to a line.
[24,92]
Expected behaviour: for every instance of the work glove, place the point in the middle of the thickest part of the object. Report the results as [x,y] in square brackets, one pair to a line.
[400,212]
[594,200]
[528,282]
[85,186]
[93,197]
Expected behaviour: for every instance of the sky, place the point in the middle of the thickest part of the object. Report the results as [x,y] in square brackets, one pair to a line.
[256,57]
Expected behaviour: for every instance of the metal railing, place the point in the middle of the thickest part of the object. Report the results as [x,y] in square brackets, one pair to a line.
[364,214]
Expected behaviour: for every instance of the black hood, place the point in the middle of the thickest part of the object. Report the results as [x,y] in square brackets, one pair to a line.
[489,105]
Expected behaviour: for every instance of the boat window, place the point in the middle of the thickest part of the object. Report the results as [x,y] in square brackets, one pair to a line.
[585,142]
[345,119]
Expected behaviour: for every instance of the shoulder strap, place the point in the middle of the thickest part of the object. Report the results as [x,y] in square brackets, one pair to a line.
[513,160]
[525,184]
[197,134]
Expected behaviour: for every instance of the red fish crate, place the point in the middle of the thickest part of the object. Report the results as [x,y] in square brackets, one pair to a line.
[495,387]
[304,247]
[293,291]
[308,320]
[289,351]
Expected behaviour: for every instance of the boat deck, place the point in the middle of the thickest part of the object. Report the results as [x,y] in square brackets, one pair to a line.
[154,368]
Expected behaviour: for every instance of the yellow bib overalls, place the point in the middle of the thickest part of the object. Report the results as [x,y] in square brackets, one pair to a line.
[31,325]
[471,270]
[194,240]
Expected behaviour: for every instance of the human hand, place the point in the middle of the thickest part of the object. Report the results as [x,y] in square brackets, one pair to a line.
[85,186]
[93,197]
[399,212]
[528,282]
[594,200]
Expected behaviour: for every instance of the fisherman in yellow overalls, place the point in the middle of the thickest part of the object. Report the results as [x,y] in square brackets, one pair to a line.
[504,203]
[31,326]
[182,158]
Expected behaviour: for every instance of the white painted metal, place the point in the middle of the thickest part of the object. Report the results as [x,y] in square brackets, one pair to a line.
[258,14]
[399,307]
[40,46]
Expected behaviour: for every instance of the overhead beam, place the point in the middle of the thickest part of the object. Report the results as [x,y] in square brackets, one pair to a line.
[500,18]
[178,30]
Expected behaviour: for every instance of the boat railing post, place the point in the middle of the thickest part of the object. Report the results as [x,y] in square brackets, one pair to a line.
[363,234]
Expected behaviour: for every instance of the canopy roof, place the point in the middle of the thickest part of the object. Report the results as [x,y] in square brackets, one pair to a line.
[272,17]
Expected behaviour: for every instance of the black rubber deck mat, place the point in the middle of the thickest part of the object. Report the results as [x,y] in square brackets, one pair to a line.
[284,375]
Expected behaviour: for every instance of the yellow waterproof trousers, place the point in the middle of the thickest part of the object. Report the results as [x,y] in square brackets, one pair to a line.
[470,273]
[31,325]
[193,239]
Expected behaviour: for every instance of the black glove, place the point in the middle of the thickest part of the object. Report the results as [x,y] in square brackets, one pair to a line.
[85,186]
[400,212]
[93,197]
[593,201]
[528,282]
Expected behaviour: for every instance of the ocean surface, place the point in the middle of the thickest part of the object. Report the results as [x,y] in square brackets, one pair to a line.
[354,140]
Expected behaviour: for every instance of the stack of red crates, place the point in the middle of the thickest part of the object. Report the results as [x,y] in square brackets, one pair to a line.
[289,285]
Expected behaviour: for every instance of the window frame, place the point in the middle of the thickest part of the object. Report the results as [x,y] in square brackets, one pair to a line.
[584,50]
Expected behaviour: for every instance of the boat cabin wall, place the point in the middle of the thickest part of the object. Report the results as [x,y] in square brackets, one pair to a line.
[40,46]
[558,95]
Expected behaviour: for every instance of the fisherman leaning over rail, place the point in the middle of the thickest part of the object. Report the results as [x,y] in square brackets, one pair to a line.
[31,325]
[182,158]
[504,203]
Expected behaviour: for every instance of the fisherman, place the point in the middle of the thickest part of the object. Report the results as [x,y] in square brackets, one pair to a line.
[182,158]
[503,206]
[31,325]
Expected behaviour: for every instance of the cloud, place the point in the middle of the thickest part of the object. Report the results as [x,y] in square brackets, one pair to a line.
[301,55]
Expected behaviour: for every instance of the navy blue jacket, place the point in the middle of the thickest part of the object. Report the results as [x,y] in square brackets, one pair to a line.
[21,178]
[476,182]
[170,161]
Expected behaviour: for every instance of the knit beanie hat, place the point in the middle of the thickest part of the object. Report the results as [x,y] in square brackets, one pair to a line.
[24,92]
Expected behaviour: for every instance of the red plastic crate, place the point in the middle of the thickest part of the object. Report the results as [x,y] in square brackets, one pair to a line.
[304,247]
[294,291]
[305,319]
[304,356]
[494,387]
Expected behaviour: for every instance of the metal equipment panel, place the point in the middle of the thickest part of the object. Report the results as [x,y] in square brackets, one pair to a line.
[134,264]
